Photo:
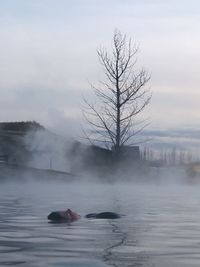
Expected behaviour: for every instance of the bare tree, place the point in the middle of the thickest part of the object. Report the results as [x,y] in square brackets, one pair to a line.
[120,98]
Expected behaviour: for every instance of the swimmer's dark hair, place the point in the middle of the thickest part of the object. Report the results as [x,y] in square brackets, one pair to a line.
[54,216]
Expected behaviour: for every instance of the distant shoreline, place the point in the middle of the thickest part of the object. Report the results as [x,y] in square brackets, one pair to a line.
[21,172]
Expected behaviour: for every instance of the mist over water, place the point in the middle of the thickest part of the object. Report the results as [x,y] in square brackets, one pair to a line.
[47,150]
[160,227]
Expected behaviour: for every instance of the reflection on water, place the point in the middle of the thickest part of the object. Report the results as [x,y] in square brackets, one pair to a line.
[161,226]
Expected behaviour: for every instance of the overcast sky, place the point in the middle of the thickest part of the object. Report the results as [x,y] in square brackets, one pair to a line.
[48,57]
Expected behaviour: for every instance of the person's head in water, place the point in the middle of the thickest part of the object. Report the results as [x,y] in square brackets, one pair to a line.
[67,215]
[72,215]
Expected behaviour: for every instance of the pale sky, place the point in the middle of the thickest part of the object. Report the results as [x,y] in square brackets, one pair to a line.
[48,57]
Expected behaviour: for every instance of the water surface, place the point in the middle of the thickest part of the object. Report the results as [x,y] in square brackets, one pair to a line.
[161,226]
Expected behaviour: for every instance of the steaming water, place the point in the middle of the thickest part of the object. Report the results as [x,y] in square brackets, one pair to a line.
[161,226]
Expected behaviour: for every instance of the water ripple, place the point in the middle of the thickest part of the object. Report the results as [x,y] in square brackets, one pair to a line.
[161,228]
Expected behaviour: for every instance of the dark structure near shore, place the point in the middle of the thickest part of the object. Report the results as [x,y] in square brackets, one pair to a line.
[12,146]
[20,147]
[98,156]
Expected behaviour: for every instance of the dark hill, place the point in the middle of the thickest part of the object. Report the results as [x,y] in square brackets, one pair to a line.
[21,126]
